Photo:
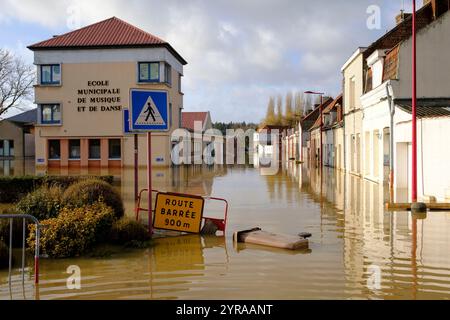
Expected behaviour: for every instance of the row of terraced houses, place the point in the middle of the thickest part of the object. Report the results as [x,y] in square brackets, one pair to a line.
[366,130]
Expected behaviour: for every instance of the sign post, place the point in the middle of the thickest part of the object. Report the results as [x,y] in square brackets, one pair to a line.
[149,112]
[127,131]
[149,181]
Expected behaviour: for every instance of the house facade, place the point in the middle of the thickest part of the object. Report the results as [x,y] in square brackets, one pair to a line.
[387,106]
[353,88]
[84,81]
[17,136]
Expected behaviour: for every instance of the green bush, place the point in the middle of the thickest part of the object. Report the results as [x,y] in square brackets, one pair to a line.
[43,203]
[91,191]
[126,231]
[74,231]
[4,255]
[14,188]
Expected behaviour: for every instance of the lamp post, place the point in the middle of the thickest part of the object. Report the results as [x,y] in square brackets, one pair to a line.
[321,123]
[414,102]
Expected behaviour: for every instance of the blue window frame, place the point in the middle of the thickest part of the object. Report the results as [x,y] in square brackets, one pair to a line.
[167,73]
[149,72]
[50,114]
[51,74]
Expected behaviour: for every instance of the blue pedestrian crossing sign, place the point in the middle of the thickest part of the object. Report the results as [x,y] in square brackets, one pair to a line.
[149,110]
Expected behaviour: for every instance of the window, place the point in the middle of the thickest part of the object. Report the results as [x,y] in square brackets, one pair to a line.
[51,74]
[54,150]
[74,149]
[94,149]
[179,82]
[180,117]
[148,71]
[352,93]
[11,148]
[50,114]
[6,148]
[168,73]
[114,149]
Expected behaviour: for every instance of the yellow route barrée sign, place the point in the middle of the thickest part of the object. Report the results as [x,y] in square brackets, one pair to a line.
[178,212]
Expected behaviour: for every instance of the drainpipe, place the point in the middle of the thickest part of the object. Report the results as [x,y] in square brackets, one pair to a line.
[391,142]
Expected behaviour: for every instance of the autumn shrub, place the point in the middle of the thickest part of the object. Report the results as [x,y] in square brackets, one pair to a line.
[14,188]
[91,191]
[43,203]
[126,231]
[75,231]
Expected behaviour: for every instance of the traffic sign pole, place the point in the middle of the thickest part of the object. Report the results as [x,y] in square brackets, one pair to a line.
[149,181]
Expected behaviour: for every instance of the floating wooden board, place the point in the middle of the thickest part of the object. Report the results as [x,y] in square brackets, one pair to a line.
[257,236]
[407,206]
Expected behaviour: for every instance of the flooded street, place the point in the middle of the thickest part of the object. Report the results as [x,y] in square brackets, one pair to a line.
[353,238]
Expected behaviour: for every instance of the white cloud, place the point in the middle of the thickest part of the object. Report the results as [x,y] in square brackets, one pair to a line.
[239,52]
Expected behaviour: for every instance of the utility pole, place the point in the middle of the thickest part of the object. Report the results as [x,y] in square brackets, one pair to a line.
[414,102]
[321,124]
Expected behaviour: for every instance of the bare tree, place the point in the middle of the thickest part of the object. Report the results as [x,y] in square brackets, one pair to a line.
[289,117]
[270,115]
[16,81]
[299,105]
[279,116]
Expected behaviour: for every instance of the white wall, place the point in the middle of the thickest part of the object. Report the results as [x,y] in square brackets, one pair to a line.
[433,154]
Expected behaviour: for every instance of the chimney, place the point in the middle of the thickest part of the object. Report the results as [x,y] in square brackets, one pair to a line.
[402,16]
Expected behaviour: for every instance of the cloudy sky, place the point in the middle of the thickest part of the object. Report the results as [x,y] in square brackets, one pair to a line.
[239,52]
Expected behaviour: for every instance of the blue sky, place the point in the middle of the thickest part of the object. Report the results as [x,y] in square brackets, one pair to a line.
[239,52]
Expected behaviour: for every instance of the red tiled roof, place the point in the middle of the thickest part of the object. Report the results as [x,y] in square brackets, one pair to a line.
[112,32]
[332,105]
[327,107]
[188,119]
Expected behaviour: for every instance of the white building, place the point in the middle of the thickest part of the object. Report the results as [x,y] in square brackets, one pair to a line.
[388,87]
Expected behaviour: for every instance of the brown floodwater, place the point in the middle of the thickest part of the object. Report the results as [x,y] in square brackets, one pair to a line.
[354,241]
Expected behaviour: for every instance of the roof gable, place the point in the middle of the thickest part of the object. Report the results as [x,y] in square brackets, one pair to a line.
[188,119]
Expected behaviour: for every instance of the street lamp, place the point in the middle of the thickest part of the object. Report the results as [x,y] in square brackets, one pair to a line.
[321,122]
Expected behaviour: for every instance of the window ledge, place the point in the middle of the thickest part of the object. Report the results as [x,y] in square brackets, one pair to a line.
[44,85]
[49,124]
[140,83]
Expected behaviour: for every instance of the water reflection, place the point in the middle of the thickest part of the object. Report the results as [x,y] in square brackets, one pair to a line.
[353,235]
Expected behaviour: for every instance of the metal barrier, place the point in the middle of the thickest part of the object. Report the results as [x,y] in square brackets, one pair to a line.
[220,223]
[24,217]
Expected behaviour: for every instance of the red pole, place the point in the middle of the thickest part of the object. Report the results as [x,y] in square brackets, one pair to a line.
[149,181]
[414,100]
